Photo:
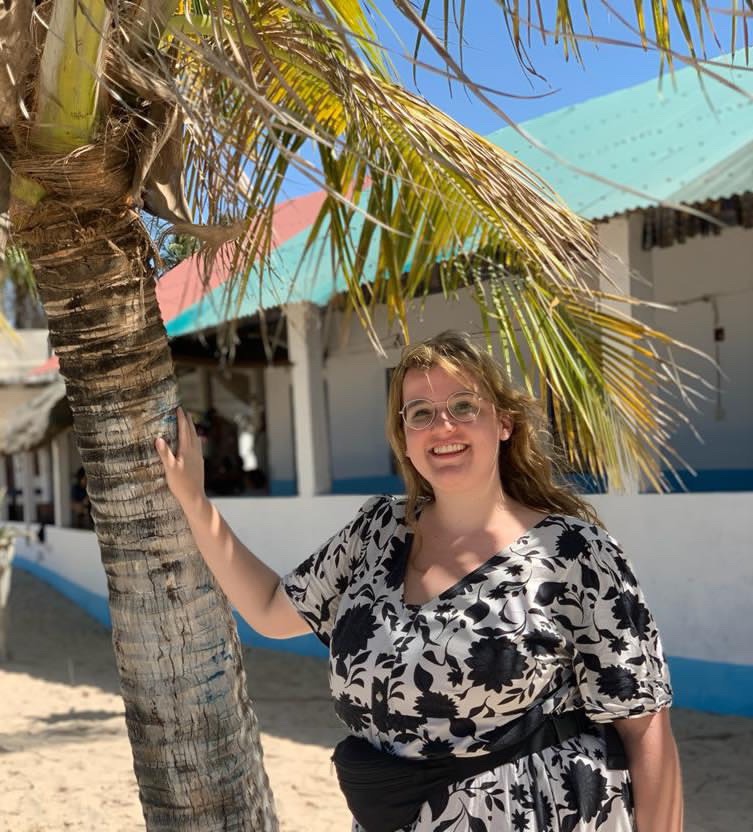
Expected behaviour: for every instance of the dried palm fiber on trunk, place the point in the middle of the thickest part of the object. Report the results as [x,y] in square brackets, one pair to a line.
[96,175]
[85,193]
[15,55]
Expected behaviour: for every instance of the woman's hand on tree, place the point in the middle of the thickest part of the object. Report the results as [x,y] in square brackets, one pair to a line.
[184,470]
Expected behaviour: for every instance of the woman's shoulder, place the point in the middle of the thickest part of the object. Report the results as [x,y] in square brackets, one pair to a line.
[591,544]
[577,535]
[381,509]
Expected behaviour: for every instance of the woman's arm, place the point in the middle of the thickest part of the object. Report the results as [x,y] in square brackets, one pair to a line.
[252,587]
[655,771]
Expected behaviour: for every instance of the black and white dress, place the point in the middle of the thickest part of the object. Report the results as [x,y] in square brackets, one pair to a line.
[555,620]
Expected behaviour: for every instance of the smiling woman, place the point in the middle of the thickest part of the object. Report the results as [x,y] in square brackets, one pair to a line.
[503,638]
[490,648]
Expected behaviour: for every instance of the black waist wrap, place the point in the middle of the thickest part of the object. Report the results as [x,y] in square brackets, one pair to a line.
[385,792]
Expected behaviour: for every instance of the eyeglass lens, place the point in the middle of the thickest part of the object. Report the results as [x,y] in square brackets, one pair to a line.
[462,406]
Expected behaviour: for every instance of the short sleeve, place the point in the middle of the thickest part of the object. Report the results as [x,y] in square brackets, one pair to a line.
[618,658]
[316,586]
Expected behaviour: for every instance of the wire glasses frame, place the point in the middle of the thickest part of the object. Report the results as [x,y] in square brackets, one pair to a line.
[463,406]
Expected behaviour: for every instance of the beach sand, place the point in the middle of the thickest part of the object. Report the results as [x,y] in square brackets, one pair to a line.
[65,761]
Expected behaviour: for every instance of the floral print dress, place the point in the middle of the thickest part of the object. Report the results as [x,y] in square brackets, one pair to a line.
[555,621]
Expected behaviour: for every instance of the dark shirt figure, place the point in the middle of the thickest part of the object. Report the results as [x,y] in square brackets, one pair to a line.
[80,505]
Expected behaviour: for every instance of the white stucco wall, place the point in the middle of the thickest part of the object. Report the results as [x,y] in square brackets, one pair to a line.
[692,556]
[357,401]
[690,552]
[279,418]
[72,554]
[357,380]
[719,268]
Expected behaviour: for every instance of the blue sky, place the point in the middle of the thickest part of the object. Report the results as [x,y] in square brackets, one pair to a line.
[490,59]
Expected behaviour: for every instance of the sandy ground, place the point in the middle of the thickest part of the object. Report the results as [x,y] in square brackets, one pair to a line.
[65,762]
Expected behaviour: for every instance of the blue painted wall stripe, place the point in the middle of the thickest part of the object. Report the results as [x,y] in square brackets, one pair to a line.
[388,484]
[308,645]
[717,479]
[716,687]
[283,488]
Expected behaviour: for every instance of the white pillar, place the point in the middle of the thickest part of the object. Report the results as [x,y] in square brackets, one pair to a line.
[629,269]
[278,413]
[309,407]
[61,479]
[27,488]
[43,482]
[3,490]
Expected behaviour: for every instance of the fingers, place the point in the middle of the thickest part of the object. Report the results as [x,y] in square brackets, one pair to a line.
[187,438]
[163,450]
[186,430]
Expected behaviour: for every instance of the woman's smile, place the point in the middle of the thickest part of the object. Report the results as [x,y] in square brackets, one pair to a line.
[449,449]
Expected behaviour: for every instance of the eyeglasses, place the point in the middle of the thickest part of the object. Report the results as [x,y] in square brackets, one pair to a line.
[463,406]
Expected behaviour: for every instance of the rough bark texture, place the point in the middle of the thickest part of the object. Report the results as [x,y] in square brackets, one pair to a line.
[15,18]
[194,736]
[5,169]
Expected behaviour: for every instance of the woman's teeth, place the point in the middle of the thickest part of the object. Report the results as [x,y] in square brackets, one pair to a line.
[448,449]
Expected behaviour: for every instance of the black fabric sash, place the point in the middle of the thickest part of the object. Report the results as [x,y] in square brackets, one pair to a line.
[385,792]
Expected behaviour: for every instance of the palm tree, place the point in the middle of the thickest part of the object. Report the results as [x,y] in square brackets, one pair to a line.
[190,109]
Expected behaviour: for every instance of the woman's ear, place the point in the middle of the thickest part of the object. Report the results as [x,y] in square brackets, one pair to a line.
[505,426]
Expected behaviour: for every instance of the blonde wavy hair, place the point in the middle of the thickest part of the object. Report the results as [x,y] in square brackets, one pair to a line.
[529,465]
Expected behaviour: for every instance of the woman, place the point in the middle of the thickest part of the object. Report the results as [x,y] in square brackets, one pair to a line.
[485,625]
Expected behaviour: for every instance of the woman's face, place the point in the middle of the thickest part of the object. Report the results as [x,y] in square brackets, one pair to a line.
[452,455]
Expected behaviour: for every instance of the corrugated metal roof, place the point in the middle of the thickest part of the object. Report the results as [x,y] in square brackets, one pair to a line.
[289,277]
[674,142]
[680,141]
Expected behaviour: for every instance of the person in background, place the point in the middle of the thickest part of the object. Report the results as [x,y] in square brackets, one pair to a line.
[80,504]
[491,652]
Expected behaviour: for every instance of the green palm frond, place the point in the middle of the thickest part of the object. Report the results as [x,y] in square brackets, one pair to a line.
[649,19]
[614,403]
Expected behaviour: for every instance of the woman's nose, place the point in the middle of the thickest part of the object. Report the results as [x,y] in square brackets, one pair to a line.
[444,417]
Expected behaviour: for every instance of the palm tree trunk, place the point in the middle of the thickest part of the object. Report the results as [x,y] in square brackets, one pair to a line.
[195,739]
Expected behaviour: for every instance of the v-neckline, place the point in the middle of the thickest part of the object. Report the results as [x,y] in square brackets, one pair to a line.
[410,537]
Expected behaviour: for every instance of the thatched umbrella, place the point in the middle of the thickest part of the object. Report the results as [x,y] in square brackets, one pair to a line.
[39,414]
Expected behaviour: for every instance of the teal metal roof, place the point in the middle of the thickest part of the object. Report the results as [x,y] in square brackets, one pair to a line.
[671,141]
[289,277]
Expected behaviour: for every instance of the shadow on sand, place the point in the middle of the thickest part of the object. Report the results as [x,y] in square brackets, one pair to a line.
[53,639]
